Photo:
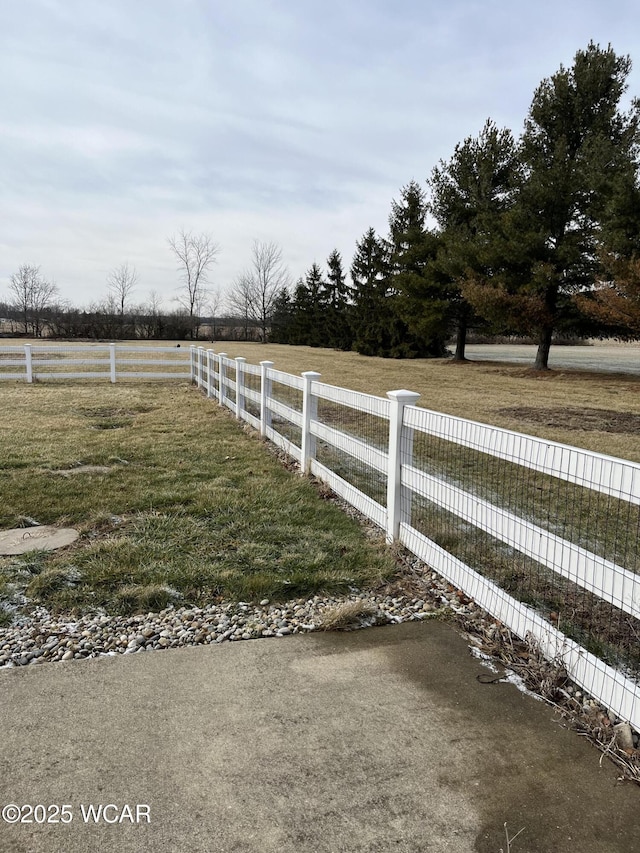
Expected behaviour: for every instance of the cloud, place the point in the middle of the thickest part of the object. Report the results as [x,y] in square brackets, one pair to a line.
[122,122]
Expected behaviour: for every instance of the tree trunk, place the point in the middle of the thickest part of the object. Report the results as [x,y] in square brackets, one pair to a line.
[461,339]
[544,345]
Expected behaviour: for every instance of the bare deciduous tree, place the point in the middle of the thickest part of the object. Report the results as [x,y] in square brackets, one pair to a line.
[195,255]
[213,308]
[239,302]
[32,294]
[257,288]
[121,283]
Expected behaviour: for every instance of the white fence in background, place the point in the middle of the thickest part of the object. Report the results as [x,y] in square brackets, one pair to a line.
[284,408]
[113,361]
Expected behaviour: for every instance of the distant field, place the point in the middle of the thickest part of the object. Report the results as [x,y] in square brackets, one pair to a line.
[597,411]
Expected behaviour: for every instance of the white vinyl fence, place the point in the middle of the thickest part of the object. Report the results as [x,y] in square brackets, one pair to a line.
[543,536]
[113,361]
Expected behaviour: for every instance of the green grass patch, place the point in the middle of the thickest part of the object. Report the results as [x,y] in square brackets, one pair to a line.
[180,506]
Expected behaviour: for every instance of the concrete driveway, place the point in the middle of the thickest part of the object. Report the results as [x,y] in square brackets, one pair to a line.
[378,740]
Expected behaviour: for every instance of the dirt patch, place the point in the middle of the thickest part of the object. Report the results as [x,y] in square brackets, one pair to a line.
[82,469]
[114,412]
[603,420]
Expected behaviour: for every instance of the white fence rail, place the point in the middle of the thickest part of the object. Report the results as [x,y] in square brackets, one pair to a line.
[398,464]
[113,361]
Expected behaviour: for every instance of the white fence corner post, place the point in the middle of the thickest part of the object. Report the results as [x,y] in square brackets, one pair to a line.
[399,399]
[192,362]
[221,377]
[112,362]
[309,413]
[265,396]
[210,353]
[239,360]
[28,362]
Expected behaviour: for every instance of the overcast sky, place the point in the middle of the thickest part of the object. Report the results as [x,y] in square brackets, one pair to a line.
[291,121]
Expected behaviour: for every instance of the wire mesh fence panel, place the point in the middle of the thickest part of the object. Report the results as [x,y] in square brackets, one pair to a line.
[569,551]
[228,383]
[13,363]
[252,386]
[286,394]
[213,375]
[365,420]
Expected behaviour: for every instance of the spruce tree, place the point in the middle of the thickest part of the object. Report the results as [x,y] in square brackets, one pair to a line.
[282,318]
[369,274]
[422,300]
[338,319]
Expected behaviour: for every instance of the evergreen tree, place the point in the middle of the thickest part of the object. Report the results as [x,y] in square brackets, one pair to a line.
[369,274]
[307,326]
[338,320]
[317,303]
[421,297]
[470,196]
[282,318]
[580,155]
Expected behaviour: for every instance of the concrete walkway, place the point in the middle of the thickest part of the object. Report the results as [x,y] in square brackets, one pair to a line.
[378,740]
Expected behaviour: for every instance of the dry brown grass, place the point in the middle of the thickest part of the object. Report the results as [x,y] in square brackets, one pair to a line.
[347,615]
[475,390]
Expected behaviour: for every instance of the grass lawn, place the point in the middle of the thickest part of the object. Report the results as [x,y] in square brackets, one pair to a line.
[187,507]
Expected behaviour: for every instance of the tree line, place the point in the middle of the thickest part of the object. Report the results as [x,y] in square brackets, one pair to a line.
[537,236]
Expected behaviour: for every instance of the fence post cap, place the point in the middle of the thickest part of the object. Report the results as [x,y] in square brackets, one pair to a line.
[311,374]
[240,358]
[267,363]
[403,396]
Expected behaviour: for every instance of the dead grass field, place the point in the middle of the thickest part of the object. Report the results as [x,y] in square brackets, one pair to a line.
[547,405]
[597,411]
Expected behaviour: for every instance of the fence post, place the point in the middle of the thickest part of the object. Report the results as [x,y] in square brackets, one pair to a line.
[28,362]
[399,399]
[210,353]
[265,396]
[112,362]
[192,362]
[239,360]
[200,366]
[221,377]
[309,413]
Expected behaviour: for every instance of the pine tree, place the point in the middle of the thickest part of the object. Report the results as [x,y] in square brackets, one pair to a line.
[470,197]
[338,319]
[317,303]
[369,274]
[282,318]
[422,300]
[580,155]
